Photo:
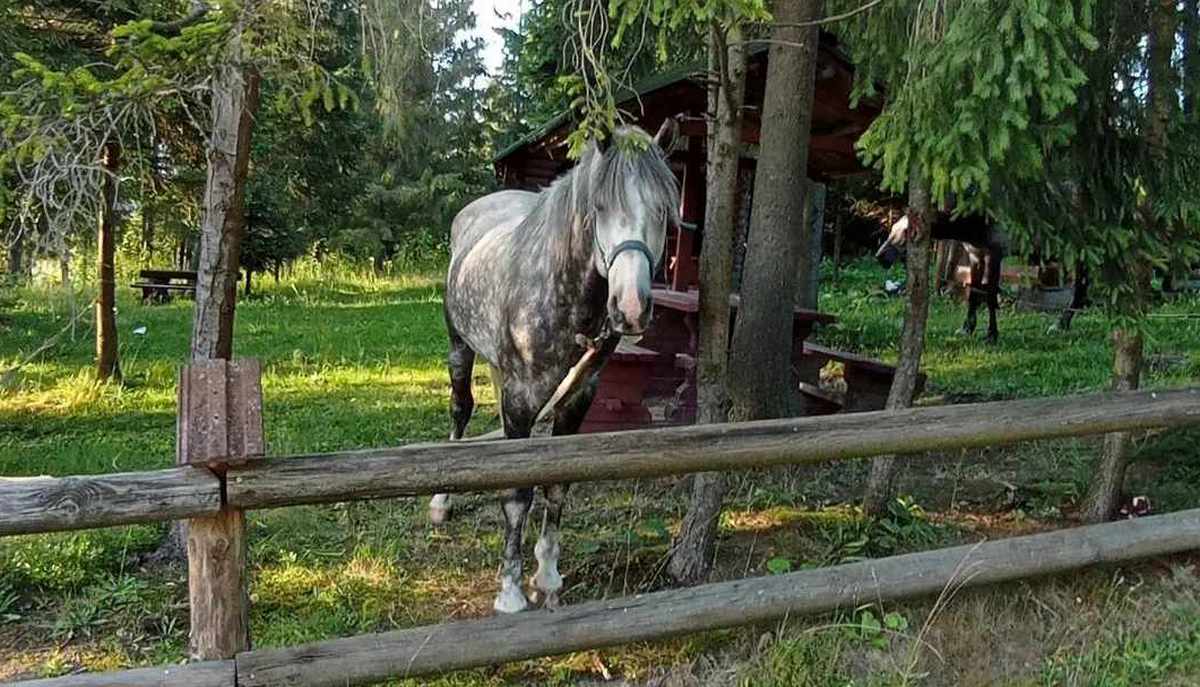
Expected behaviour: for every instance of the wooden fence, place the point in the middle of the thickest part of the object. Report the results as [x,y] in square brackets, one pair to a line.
[221,474]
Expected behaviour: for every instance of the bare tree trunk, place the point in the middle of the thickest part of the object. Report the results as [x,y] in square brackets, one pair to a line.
[16,256]
[147,227]
[691,554]
[1104,494]
[234,101]
[235,98]
[1191,58]
[107,364]
[881,483]
[780,241]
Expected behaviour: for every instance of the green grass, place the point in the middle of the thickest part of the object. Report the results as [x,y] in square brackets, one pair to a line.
[354,361]
[1028,361]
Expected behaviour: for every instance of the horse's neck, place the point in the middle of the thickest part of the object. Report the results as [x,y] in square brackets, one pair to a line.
[567,273]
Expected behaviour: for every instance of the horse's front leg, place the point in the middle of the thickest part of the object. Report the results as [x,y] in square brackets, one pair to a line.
[515,505]
[973,298]
[548,581]
[992,291]
[993,303]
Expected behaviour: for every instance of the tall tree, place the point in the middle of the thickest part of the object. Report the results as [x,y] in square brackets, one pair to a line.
[778,238]
[234,101]
[692,550]
[1104,494]
[107,364]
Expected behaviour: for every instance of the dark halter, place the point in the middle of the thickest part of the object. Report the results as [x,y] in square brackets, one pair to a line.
[632,244]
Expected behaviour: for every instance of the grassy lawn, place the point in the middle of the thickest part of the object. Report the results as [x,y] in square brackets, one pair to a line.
[356,362]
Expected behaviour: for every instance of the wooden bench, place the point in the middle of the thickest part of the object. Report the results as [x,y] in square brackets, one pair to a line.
[159,285]
[868,381]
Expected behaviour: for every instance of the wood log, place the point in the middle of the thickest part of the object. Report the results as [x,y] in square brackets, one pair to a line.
[48,504]
[220,417]
[490,465]
[207,674]
[454,646]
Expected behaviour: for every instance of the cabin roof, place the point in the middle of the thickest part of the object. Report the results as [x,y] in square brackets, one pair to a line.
[836,124]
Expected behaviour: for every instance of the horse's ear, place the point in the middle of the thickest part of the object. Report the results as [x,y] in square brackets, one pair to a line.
[667,136]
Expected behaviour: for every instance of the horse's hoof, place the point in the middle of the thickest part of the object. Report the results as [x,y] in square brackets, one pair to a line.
[439,516]
[510,600]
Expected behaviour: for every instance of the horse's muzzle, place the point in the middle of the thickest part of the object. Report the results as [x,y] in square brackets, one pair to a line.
[629,315]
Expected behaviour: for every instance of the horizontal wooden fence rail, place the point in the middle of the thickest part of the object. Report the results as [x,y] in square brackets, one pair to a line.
[441,648]
[49,504]
[202,674]
[489,465]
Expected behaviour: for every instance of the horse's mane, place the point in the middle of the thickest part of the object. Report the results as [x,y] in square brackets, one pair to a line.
[562,213]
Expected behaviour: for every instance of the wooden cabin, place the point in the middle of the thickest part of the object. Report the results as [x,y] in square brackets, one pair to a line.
[661,365]
[537,159]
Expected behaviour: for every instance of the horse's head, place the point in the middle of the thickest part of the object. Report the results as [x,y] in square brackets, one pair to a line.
[897,237]
[633,197]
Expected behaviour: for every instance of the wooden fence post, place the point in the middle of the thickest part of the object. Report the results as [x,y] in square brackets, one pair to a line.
[220,419]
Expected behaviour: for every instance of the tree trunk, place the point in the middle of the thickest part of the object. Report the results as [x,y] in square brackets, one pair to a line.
[760,385]
[246,292]
[881,483]
[1191,58]
[235,98]
[147,227]
[234,101]
[1104,494]
[691,554]
[808,291]
[16,256]
[107,364]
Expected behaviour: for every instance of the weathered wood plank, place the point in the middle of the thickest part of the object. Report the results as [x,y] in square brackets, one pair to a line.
[220,418]
[47,504]
[454,646]
[207,674]
[489,465]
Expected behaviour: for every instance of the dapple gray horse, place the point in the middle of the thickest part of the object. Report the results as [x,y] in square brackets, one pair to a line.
[536,278]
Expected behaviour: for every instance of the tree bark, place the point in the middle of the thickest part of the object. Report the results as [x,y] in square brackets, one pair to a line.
[808,288]
[1104,494]
[147,226]
[691,554]
[1191,58]
[881,483]
[235,98]
[759,383]
[107,364]
[16,257]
